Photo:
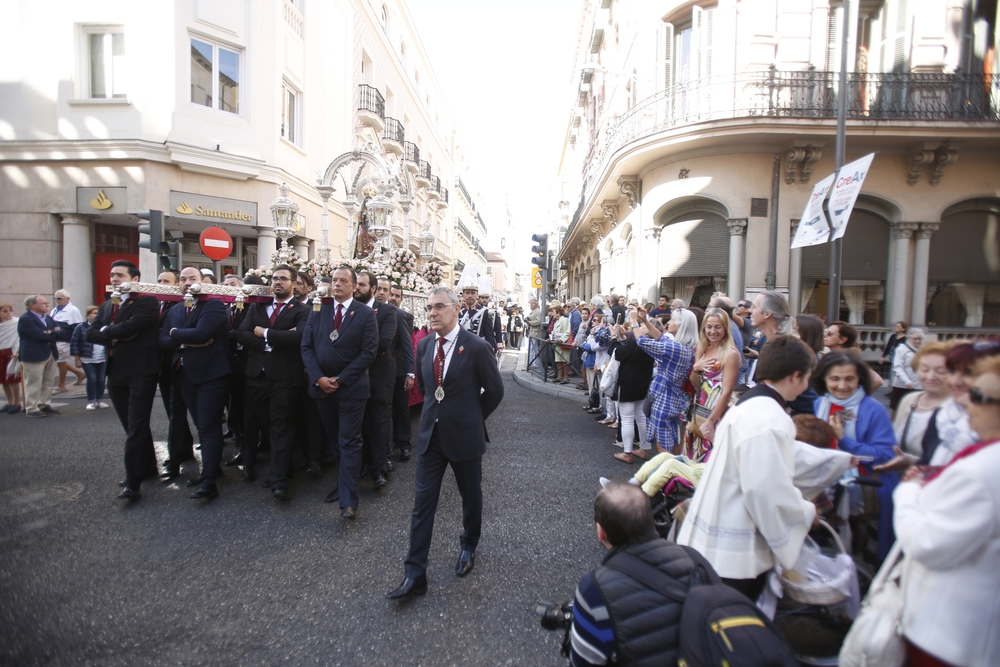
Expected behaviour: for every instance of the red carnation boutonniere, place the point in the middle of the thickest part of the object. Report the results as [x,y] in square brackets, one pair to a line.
[461,349]
[352,314]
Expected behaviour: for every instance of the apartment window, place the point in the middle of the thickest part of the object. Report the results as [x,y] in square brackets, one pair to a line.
[105,62]
[290,114]
[215,76]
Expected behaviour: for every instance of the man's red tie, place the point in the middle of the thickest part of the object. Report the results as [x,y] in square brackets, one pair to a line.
[114,312]
[187,311]
[274,313]
[339,317]
[439,362]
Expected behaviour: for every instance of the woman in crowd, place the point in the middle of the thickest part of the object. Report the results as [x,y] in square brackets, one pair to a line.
[601,305]
[904,377]
[898,336]
[713,375]
[561,332]
[9,343]
[947,525]
[674,355]
[515,326]
[915,410]
[635,372]
[590,349]
[602,339]
[91,358]
[810,331]
[861,423]
[579,339]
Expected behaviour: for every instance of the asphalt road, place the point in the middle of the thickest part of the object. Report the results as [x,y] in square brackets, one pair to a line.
[86,579]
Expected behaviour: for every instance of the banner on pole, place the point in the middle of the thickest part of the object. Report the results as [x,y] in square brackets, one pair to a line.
[813,227]
[845,193]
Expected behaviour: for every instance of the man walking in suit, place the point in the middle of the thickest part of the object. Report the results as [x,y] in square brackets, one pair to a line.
[38,333]
[338,345]
[128,330]
[180,442]
[461,384]
[198,338]
[381,379]
[405,371]
[272,335]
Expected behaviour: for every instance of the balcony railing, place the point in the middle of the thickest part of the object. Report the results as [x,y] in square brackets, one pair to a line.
[411,152]
[293,18]
[805,94]
[435,184]
[369,99]
[872,340]
[424,171]
[444,195]
[393,130]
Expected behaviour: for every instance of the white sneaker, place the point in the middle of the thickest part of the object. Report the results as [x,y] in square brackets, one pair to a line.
[604,481]
[91,406]
[102,405]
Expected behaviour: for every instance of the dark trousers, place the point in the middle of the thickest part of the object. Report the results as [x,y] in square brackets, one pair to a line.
[401,414]
[254,439]
[237,399]
[431,466]
[274,402]
[180,442]
[375,430]
[314,442]
[342,418]
[752,588]
[206,401]
[95,380]
[133,400]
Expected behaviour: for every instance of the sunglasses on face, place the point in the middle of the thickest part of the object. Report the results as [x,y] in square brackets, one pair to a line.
[979,398]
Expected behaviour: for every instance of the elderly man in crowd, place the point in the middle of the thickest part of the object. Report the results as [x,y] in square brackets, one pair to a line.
[68,314]
[39,333]
[534,330]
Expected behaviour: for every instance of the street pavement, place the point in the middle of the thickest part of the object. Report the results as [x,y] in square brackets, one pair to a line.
[86,579]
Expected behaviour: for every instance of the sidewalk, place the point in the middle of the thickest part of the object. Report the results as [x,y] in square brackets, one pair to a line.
[531,381]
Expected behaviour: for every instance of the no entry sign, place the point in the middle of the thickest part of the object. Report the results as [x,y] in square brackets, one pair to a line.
[216,243]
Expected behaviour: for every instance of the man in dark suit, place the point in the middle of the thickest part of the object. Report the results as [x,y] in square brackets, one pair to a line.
[338,346]
[235,416]
[180,442]
[405,371]
[38,333]
[381,380]
[458,376]
[198,338]
[272,335]
[128,330]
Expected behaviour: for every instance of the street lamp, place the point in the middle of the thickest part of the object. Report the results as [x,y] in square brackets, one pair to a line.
[284,213]
[426,240]
[378,210]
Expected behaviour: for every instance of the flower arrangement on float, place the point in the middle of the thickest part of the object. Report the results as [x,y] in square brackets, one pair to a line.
[433,273]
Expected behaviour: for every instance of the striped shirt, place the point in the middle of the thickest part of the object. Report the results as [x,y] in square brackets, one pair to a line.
[592,638]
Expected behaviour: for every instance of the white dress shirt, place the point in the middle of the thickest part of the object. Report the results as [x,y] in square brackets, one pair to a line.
[449,349]
[270,310]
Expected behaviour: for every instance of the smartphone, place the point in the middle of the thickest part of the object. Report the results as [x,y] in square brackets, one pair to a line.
[866,459]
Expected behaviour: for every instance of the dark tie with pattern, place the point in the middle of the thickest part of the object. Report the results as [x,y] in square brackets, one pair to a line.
[274,313]
[439,362]
[339,317]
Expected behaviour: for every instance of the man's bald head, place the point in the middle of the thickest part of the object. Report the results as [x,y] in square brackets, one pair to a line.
[623,512]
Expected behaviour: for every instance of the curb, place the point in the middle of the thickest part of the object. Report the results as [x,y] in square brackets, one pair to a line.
[528,381]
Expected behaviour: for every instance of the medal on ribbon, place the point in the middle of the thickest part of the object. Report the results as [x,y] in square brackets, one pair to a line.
[439,393]
[334,335]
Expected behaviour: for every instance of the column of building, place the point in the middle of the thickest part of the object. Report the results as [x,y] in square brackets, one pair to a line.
[902,233]
[921,271]
[737,250]
[795,273]
[78,259]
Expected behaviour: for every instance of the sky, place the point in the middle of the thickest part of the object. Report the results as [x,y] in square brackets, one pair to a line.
[505,70]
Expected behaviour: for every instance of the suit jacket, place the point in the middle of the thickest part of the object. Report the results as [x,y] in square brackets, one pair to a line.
[284,361]
[208,321]
[382,373]
[36,345]
[472,391]
[404,343]
[135,327]
[347,358]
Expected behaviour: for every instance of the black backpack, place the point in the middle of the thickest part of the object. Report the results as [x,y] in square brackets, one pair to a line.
[720,627]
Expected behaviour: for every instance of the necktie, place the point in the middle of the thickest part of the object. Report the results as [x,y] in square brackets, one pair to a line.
[114,312]
[439,362]
[187,311]
[339,317]
[274,313]
[162,304]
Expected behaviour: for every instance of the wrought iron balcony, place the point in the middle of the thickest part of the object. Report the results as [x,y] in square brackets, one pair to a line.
[804,94]
[444,194]
[411,152]
[393,131]
[424,172]
[435,184]
[369,99]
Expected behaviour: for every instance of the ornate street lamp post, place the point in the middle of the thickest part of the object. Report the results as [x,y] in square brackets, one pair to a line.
[286,225]
[426,240]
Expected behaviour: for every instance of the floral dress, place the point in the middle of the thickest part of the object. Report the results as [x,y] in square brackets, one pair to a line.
[707,393]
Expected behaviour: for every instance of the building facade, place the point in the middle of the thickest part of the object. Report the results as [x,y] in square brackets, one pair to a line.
[469,233]
[202,110]
[700,128]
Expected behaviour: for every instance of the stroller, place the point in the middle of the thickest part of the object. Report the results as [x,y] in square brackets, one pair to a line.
[665,506]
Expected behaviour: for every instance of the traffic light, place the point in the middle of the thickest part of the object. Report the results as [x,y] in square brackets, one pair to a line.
[540,250]
[170,259]
[154,230]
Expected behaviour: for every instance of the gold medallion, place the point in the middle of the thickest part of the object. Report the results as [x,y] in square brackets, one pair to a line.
[439,394]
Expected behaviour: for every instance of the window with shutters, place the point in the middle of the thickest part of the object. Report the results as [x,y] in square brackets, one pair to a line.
[894,28]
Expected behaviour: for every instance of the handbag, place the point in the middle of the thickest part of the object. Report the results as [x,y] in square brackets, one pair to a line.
[568,343]
[14,366]
[609,380]
[876,636]
[699,415]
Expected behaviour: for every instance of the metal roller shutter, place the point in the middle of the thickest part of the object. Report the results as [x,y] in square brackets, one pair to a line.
[866,251]
[958,249]
[696,244]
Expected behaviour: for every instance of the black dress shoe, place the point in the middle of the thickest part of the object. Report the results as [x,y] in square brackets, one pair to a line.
[404,453]
[349,513]
[379,481]
[389,465]
[235,461]
[280,494]
[170,473]
[248,474]
[129,494]
[409,588]
[314,470]
[466,560]
[49,410]
[207,491]
[228,434]
[333,496]
[197,481]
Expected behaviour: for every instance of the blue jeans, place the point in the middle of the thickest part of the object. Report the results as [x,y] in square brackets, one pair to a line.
[95,380]
[532,351]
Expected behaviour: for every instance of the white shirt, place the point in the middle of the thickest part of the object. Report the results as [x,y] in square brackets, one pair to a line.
[449,348]
[270,311]
[346,304]
[70,314]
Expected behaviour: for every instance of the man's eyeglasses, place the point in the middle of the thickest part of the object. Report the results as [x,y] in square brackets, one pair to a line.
[979,398]
[280,279]
[439,306]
